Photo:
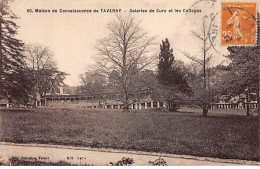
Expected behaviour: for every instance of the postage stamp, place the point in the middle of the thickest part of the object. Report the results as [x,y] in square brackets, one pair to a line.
[238,23]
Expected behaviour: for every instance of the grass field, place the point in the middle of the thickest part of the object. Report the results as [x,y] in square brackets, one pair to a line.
[230,136]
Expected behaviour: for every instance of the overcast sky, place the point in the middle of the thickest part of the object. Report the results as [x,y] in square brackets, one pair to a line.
[72,36]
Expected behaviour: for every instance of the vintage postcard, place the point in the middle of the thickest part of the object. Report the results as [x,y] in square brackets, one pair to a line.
[129,83]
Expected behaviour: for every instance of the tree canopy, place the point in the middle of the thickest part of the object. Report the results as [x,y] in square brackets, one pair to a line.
[42,70]
[14,84]
[125,51]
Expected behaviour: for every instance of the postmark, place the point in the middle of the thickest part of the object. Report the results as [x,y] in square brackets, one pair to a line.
[238,23]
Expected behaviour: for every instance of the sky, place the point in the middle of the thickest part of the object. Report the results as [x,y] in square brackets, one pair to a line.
[72,36]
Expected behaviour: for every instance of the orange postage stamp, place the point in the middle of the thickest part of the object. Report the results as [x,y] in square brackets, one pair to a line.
[238,23]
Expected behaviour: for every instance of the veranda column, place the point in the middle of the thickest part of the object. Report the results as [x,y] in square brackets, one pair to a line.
[45,101]
[151,104]
[145,105]
[158,104]
[164,104]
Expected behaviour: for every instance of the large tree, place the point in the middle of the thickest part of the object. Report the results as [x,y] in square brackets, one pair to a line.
[244,71]
[125,51]
[207,37]
[166,61]
[42,70]
[14,84]
[171,76]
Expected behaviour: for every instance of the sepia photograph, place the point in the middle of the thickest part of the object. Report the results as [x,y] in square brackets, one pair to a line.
[129,83]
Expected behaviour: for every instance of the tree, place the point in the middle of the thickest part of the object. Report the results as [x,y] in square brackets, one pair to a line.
[42,71]
[215,86]
[166,61]
[13,78]
[171,76]
[207,36]
[93,82]
[53,79]
[124,52]
[245,69]
[21,88]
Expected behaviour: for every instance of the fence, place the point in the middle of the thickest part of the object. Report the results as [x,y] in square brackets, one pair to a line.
[233,106]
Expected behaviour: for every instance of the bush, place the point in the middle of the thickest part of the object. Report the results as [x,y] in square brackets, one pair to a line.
[124,162]
[158,162]
[173,106]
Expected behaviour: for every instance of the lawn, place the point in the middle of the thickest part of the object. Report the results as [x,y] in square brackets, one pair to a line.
[235,137]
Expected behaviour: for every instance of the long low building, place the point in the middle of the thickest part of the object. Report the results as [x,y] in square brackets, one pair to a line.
[82,101]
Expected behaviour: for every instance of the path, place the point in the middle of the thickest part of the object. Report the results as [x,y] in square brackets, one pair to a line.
[94,156]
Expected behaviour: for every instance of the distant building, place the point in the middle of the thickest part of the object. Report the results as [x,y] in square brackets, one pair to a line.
[108,99]
[252,97]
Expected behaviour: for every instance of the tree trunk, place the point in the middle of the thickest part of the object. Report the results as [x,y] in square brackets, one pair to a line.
[1,56]
[247,102]
[124,78]
[125,106]
[258,97]
[204,108]
[1,125]
[125,102]
[205,111]
[258,90]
